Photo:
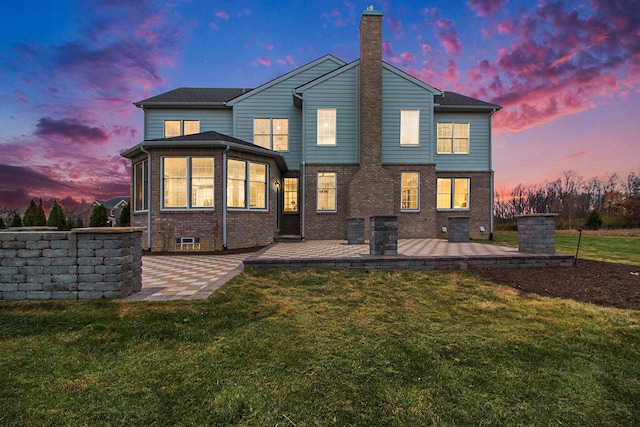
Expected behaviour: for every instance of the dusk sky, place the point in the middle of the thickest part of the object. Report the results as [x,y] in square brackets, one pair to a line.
[566,73]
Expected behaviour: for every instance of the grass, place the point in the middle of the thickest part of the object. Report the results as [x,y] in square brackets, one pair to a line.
[620,249]
[284,348]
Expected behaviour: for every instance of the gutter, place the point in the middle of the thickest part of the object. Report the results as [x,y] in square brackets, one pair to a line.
[148,197]
[224,197]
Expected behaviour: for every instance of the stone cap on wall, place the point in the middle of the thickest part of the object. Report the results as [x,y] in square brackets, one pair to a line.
[106,230]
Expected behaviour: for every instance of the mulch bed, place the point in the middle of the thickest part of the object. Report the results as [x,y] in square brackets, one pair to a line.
[602,283]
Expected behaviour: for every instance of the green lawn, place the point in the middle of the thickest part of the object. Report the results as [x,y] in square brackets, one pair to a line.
[625,250]
[315,348]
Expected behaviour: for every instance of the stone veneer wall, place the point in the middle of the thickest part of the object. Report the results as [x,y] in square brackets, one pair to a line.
[85,263]
[536,234]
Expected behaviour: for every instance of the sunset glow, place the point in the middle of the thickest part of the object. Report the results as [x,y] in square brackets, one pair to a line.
[566,73]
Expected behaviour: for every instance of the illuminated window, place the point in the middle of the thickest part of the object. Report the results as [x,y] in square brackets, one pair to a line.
[453,193]
[246,181]
[291,195]
[178,127]
[453,138]
[326,191]
[140,186]
[326,126]
[409,127]
[187,182]
[410,191]
[271,133]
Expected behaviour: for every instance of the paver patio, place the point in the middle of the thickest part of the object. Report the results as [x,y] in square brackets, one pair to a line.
[171,277]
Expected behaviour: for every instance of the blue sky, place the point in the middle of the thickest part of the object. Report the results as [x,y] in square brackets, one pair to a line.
[567,74]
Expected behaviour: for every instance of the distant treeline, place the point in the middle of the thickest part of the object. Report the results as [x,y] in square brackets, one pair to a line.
[610,201]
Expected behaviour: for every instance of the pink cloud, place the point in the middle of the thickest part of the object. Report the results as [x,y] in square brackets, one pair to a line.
[425,48]
[448,36]
[270,47]
[387,51]
[264,61]
[69,129]
[334,17]
[222,15]
[281,61]
[486,7]
[214,26]
[290,59]
[396,27]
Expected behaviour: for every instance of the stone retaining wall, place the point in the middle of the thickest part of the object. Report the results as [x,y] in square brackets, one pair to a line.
[537,234]
[85,263]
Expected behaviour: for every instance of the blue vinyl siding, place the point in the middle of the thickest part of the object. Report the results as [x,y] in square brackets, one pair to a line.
[277,102]
[339,92]
[478,158]
[401,94]
[219,120]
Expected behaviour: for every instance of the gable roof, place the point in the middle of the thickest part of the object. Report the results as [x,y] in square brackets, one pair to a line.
[195,96]
[113,202]
[277,80]
[206,139]
[452,101]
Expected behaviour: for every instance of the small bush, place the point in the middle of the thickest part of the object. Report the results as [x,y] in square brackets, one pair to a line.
[593,222]
[16,221]
[125,217]
[56,217]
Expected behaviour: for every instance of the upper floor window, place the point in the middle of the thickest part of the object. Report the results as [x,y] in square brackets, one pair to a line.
[326,191]
[453,138]
[187,182]
[140,186]
[180,127]
[246,181]
[291,195]
[326,126]
[453,193]
[409,127]
[271,133]
[410,186]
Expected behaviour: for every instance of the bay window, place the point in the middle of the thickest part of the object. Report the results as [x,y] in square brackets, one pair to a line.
[246,181]
[140,186]
[187,182]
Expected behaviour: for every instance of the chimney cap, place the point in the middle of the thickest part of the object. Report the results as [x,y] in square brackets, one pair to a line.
[371,11]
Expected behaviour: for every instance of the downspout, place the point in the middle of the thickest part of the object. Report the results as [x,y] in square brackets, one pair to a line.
[492,173]
[224,198]
[303,165]
[148,197]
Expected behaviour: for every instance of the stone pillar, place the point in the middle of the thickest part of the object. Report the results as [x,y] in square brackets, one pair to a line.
[355,231]
[536,234]
[383,235]
[458,229]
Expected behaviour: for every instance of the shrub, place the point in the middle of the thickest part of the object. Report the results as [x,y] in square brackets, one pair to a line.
[2,224]
[593,222]
[16,221]
[56,217]
[34,215]
[98,217]
[125,217]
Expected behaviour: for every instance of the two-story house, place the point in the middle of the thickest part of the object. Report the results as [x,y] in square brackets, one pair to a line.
[233,168]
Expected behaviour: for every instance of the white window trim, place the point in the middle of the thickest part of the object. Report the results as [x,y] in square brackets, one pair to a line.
[453,139]
[145,191]
[335,135]
[417,143]
[164,126]
[271,134]
[335,193]
[188,177]
[247,188]
[417,209]
[452,195]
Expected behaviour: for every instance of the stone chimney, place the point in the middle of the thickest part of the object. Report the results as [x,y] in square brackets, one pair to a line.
[372,189]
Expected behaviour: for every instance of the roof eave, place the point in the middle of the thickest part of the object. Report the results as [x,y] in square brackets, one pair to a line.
[137,149]
[468,108]
[179,104]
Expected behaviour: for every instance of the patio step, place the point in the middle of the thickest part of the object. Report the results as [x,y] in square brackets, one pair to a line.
[284,238]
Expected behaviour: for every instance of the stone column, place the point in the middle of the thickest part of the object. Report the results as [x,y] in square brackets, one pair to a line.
[355,231]
[536,234]
[458,229]
[383,235]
